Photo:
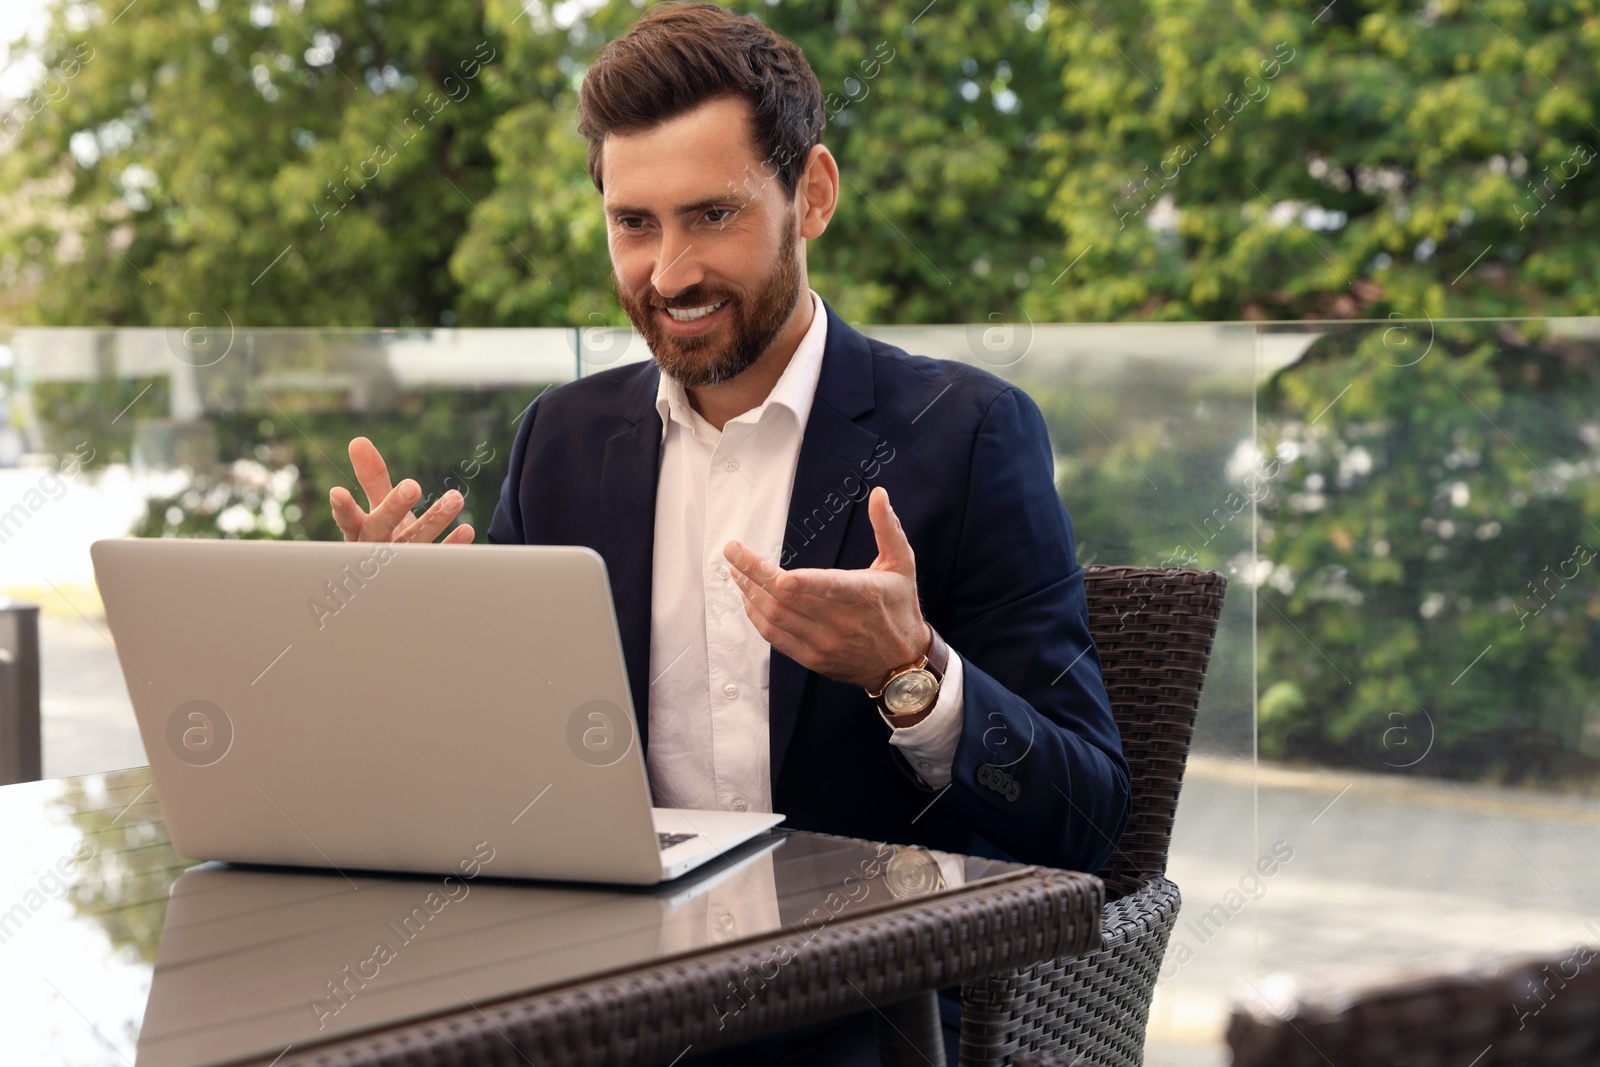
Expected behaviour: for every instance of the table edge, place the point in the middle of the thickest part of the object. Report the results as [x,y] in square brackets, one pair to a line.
[650,1014]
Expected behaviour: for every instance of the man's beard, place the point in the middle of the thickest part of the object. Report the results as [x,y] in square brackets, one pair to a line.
[696,362]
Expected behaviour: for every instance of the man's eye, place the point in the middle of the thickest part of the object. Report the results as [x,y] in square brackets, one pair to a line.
[719,214]
[630,223]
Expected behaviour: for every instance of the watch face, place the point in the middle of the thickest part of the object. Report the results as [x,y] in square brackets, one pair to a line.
[912,872]
[910,692]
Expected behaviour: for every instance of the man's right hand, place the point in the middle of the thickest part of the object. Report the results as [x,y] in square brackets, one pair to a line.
[390,518]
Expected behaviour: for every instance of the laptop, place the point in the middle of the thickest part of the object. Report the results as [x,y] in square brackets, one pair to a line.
[394,707]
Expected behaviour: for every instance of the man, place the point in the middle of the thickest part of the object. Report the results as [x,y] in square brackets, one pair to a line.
[915,672]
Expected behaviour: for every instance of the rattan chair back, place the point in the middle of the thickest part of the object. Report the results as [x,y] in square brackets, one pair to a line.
[1153,628]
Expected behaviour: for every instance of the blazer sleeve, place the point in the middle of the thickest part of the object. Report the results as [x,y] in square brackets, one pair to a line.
[1039,769]
[506,527]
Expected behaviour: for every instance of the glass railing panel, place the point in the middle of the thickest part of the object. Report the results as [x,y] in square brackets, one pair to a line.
[1429,718]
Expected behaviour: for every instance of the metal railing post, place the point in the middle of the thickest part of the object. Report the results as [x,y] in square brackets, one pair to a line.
[21,754]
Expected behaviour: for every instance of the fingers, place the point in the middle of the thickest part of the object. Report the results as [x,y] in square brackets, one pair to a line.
[390,518]
[346,513]
[752,563]
[779,607]
[771,631]
[433,521]
[393,520]
[371,471]
[393,511]
[816,583]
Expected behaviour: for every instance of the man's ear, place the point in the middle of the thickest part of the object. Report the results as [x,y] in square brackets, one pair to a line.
[817,195]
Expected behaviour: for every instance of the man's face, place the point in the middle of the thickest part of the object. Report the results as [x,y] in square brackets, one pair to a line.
[703,244]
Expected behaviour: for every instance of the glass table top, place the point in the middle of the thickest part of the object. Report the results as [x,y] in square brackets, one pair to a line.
[113,948]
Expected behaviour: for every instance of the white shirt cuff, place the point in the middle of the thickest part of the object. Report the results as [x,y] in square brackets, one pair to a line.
[930,745]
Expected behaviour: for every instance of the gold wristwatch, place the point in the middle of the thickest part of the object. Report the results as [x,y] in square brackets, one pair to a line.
[911,692]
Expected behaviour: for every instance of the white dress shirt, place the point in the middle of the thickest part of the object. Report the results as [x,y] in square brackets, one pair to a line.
[708,665]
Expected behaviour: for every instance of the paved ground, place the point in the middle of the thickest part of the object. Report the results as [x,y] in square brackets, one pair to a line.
[1368,866]
[86,719]
[1393,869]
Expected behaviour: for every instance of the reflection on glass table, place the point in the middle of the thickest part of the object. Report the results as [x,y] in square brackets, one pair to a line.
[243,962]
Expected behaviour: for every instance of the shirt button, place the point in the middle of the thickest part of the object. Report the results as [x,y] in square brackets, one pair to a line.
[925,765]
[722,572]
[731,465]
[726,921]
[730,691]
[741,804]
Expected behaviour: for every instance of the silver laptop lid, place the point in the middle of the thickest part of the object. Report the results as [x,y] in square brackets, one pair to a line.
[386,707]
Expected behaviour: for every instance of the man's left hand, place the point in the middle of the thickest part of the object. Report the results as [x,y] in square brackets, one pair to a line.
[855,627]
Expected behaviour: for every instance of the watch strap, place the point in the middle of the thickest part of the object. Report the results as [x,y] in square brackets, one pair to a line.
[938,653]
[935,661]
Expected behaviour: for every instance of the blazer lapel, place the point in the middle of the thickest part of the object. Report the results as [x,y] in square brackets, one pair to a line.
[628,520]
[832,449]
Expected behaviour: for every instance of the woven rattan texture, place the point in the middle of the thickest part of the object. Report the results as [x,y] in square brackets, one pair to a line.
[1522,1013]
[1153,629]
[651,1017]
[1051,1059]
[1094,1006]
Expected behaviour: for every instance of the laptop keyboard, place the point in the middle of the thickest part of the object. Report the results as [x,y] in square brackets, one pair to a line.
[666,841]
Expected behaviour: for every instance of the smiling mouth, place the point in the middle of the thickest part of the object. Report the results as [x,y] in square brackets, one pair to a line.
[691,314]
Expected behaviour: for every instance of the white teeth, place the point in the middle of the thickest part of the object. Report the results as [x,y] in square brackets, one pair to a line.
[690,314]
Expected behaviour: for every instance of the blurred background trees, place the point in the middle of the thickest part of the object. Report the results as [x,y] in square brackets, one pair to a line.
[349,163]
[1330,160]
[1430,575]
[410,163]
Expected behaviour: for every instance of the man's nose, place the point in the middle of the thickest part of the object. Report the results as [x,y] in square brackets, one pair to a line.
[677,268]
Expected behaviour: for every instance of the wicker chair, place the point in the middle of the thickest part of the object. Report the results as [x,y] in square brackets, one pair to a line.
[1153,629]
[1516,1012]
[1523,1011]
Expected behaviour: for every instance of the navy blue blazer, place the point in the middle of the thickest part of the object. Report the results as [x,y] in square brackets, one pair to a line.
[1039,774]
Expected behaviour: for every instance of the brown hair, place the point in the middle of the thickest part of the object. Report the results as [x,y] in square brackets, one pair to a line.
[681,55]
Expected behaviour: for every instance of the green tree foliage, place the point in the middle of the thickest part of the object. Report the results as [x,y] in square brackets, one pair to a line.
[124,866]
[1275,160]
[357,163]
[202,157]
[352,163]
[1434,542]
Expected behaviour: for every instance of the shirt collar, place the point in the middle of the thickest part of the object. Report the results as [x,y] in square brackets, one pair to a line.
[795,388]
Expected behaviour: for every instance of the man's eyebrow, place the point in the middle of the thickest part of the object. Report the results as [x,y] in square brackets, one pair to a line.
[683,209]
